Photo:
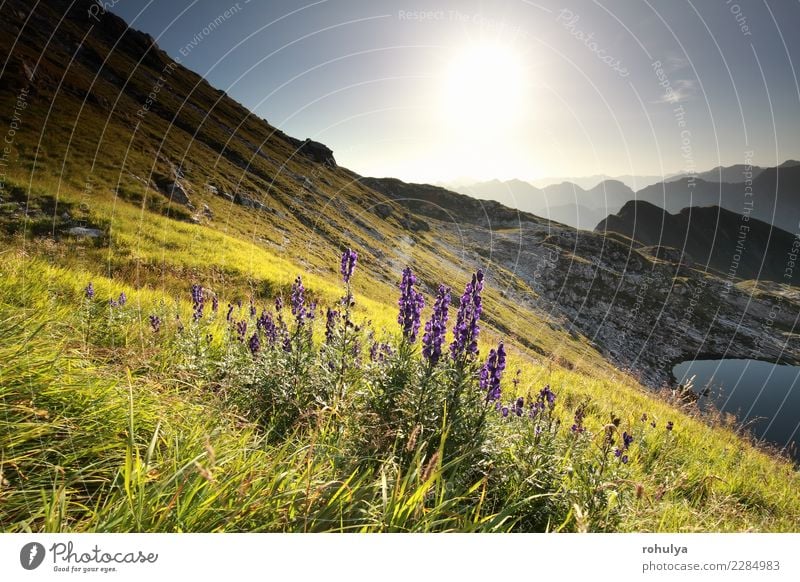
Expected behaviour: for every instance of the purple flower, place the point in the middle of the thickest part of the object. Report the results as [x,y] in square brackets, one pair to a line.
[155,323]
[123,299]
[627,439]
[436,327]
[535,408]
[505,411]
[411,303]
[230,312]
[214,303]
[298,300]
[670,426]
[267,325]
[349,258]
[515,381]
[278,303]
[577,426]
[89,291]
[254,344]
[547,396]
[331,317]
[644,417]
[241,330]
[466,330]
[492,372]
[619,452]
[253,310]
[519,405]
[378,352]
[198,301]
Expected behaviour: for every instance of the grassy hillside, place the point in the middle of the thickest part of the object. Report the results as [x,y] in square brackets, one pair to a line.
[138,416]
[111,426]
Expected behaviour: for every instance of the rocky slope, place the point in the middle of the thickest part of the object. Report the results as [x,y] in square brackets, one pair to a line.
[643,310]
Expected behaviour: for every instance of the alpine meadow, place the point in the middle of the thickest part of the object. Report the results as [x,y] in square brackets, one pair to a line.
[209,325]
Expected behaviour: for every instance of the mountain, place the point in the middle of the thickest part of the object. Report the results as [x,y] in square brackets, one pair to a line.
[565,202]
[632,181]
[583,203]
[708,236]
[735,174]
[775,196]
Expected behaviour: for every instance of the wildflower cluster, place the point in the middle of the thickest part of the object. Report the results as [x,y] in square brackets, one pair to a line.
[349,258]
[411,303]
[492,372]
[198,302]
[465,334]
[436,327]
[621,451]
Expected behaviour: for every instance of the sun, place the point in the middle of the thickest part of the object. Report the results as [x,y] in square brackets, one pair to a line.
[483,90]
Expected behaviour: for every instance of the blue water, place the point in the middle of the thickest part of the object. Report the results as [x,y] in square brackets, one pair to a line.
[760,393]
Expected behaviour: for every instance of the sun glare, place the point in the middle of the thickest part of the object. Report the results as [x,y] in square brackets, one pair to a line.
[483,90]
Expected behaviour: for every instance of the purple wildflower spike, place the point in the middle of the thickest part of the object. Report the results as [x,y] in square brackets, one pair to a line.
[411,303]
[465,333]
[436,327]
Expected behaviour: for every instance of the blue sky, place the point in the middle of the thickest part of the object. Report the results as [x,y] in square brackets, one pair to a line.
[445,90]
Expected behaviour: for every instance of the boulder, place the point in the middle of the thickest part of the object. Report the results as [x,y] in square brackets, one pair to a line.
[175,191]
[248,202]
[317,152]
[82,231]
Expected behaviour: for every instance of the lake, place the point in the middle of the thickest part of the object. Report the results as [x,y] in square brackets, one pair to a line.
[752,389]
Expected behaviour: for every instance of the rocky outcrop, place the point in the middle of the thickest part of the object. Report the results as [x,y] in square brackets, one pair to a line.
[248,202]
[174,190]
[317,152]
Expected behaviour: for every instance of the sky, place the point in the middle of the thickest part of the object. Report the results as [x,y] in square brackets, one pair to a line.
[450,91]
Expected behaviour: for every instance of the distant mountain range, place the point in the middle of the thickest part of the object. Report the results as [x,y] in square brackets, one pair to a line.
[774,197]
[709,236]
[566,202]
[575,205]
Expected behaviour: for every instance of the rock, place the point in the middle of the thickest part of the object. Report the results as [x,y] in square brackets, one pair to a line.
[317,152]
[248,202]
[207,211]
[82,231]
[175,191]
[220,192]
[29,72]
[382,210]
[413,224]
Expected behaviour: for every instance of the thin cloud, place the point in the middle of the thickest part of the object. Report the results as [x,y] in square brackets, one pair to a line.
[680,90]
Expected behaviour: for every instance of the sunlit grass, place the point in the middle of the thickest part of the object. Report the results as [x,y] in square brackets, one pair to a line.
[99,438]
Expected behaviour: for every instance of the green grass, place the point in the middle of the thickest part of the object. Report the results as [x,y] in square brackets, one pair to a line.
[117,437]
